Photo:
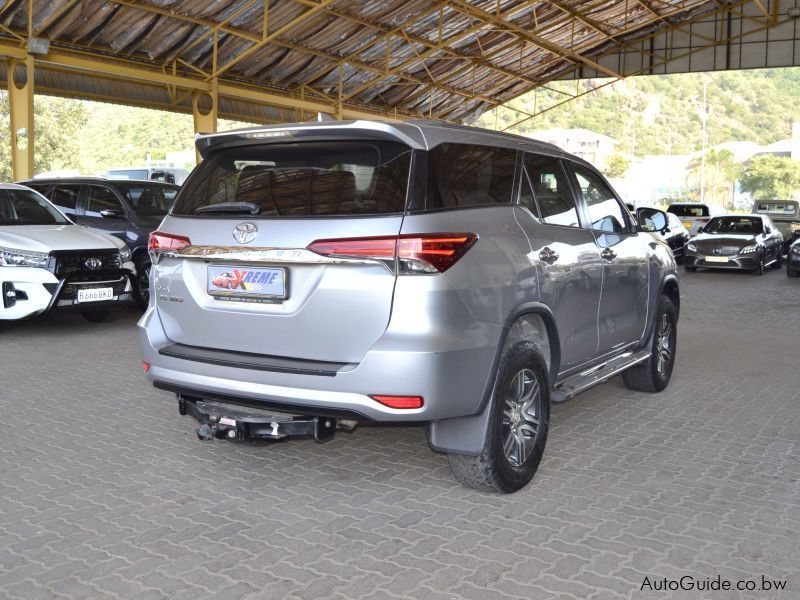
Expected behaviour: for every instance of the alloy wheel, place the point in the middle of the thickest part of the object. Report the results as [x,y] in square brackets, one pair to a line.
[664,345]
[521,417]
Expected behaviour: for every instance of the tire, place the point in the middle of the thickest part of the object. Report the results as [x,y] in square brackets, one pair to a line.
[518,424]
[143,267]
[790,272]
[689,269]
[654,375]
[759,270]
[100,316]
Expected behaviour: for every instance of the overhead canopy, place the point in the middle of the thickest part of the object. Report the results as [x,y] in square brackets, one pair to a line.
[285,60]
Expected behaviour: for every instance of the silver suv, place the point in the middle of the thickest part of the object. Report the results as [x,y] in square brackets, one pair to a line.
[403,272]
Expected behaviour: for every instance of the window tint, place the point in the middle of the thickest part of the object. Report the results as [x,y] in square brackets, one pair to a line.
[468,175]
[743,225]
[23,207]
[551,190]
[302,179]
[605,213]
[100,198]
[526,197]
[150,200]
[65,197]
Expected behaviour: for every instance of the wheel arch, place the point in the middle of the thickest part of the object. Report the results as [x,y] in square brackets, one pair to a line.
[528,322]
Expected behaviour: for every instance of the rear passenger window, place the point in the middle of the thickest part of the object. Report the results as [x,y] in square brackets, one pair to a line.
[605,212]
[551,191]
[65,197]
[461,175]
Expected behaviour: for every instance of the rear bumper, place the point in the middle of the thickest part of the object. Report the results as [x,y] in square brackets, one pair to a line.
[451,382]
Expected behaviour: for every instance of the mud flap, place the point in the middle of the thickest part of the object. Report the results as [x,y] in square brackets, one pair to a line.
[461,435]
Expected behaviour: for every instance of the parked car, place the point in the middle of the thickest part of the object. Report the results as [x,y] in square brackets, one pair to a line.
[176,175]
[785,214]
[747,242]
[693,215]
[793,259]
[48,263]
[404,272]
[129,210]
[675,235]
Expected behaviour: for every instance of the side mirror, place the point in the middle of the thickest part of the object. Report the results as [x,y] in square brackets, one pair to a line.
[651,219]
[112,214]
[700,229]
[767,230]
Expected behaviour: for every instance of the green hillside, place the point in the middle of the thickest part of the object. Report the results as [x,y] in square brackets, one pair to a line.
[662,114]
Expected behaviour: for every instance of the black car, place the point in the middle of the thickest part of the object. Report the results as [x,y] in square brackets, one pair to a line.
[674,234]
[127,209]
[745,242]
[793,259]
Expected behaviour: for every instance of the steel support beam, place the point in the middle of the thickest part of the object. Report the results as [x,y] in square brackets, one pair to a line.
[20,105]
[205,106]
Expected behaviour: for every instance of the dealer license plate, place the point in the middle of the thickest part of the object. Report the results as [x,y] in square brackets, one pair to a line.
[717,259]
[246,283]
[95,294]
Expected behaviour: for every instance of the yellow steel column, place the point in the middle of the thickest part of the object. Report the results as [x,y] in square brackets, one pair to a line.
[20,106]
[204,110]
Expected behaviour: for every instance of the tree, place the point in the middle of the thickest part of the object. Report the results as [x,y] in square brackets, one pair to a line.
[721,174]
[616,166]
[56,142]
[768,176]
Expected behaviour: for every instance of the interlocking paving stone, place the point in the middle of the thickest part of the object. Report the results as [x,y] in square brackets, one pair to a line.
[107,493]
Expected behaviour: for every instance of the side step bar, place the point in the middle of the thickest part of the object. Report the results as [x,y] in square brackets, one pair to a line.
[574,385]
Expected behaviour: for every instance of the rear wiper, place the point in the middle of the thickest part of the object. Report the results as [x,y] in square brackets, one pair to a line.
[229,207]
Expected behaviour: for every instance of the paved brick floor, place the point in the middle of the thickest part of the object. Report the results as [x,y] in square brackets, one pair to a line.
[105,492]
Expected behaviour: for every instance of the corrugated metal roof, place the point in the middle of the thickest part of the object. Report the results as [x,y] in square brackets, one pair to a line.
[448,59]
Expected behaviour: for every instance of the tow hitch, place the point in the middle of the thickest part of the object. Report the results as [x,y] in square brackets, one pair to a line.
[222,421]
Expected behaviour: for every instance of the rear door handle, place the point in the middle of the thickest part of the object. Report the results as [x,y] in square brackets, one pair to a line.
[608,254]
[548,255]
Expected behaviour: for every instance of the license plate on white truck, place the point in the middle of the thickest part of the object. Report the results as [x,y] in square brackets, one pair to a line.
[95,295]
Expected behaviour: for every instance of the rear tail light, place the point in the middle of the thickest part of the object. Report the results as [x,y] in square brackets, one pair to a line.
[414,253]
[160,241]
[404,402]
[145,367]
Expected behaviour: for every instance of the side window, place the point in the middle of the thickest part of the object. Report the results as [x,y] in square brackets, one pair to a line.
[461,175]
[605,211]
[526,197]
[101,198]
[65,197]
[551,190]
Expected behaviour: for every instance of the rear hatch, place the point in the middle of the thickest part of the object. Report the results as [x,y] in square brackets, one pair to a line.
[239,275]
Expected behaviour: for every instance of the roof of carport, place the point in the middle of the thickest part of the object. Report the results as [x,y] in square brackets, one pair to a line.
[449,59]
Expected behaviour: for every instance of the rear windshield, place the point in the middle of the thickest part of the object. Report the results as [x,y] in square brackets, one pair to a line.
[150,200]
[301,179]
[24,207]
[742,225]
[689,210]
[777,208]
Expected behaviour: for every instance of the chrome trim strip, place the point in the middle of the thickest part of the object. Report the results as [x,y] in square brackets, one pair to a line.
[237,254]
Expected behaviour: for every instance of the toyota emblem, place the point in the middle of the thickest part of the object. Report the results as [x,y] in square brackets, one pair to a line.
[93,263]
[245,233]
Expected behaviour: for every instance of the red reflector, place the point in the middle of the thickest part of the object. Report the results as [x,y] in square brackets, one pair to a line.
[418,253]
[167,241]
[400,401]
[145,366]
